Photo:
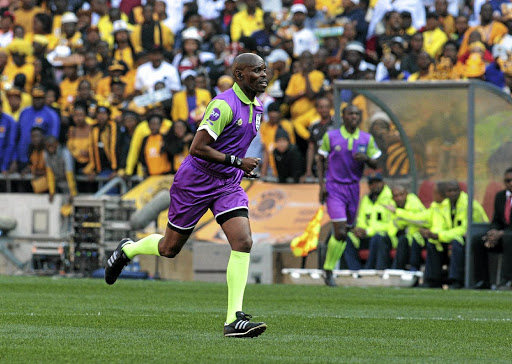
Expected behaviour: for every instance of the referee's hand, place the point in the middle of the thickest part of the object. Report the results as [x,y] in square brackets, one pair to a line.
[249,164]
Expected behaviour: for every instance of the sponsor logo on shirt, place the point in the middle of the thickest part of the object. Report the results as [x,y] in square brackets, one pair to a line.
[239,122]
[337,148]
[39,120]
[258,121]
[215,115]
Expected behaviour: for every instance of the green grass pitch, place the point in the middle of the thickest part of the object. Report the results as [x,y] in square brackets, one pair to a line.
[45,320]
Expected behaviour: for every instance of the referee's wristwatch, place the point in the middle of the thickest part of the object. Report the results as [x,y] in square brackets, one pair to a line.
[238,162]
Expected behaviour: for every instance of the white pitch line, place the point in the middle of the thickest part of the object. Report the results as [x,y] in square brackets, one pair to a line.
[458,318]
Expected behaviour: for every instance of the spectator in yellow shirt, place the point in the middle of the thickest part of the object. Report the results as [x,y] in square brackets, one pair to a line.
[19,51]
[407,23]
[151,32]
[152,155]
[247,21]
[123,47]
[43,27]
[70,36]
[141,131]
[189,105]
[106,24]
[268,131]
[18,32]
[69,85]
[60,7]
[116,99]
[303,87]
[92,72]
[24,16]
[491,30]
[16,102]
[79,137]
[433,37]
[331,7]
[115,70]
[446,20]
[85,97]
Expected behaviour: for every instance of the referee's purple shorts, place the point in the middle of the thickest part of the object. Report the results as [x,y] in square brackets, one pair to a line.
[342,201]
[195,190]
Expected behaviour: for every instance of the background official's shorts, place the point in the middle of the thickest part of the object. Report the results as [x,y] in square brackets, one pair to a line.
[196,190]
[342,201]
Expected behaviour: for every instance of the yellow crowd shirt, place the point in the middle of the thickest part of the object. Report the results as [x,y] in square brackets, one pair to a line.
[103,86]
[74,42]
[180,109]
[156,161]
[26,101]
[332,7]
[433,41]
[141,131]
[124,55]
[268,136]
[167,37]
[297,85]
[94,80]
[78,146]
[53,41]
[57,25]
[106,28]
[25,18]
[244,24]
[11,70]
[68,92]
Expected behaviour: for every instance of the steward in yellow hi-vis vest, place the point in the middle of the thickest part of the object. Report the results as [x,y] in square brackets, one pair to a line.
[444,225]
[405,236]
[449,227]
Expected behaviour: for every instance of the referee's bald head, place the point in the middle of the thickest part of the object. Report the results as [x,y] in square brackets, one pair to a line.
[245,60]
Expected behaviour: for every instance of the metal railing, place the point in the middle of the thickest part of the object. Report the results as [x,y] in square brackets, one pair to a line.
[126,184]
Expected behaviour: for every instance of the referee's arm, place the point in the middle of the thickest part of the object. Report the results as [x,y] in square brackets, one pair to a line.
[200,148]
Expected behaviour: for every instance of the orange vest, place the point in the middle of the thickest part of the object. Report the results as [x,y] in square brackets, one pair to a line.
[155,160]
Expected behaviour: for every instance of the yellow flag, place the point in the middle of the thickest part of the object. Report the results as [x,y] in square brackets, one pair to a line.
[308,241]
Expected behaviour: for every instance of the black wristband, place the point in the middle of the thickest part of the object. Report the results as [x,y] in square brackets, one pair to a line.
[229,160]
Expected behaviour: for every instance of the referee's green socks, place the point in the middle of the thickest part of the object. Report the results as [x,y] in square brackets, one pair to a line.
[335,249]
[145,246]
[236,276]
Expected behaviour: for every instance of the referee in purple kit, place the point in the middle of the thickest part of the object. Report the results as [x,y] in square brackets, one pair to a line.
[347,150]
[209,178]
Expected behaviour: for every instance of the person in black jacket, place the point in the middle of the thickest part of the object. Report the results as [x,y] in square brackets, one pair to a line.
[497,239]
[289,160]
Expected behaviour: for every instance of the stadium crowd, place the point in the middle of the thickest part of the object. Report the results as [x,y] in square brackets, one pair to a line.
[117,88]
[105,88]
